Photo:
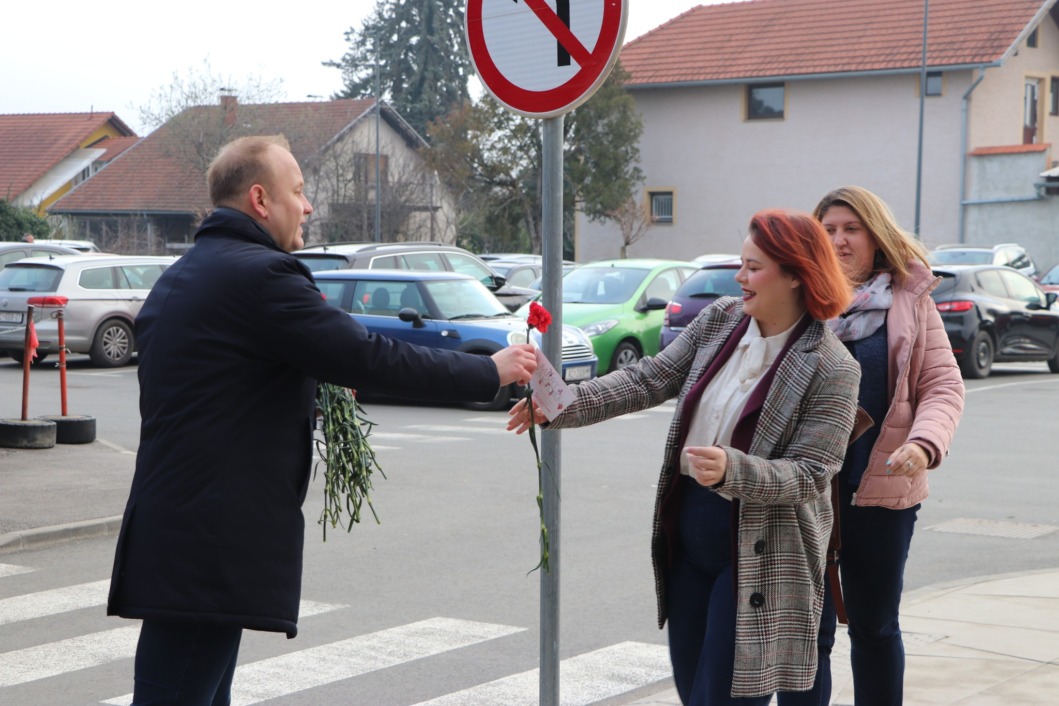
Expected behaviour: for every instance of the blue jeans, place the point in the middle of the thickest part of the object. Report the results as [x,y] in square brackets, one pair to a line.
[701,601]
[874,552]
[185,664]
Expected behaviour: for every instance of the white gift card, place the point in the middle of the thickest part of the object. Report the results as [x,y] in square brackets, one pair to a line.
[550,392]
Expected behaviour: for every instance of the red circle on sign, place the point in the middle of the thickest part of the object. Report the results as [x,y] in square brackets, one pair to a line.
[562,98]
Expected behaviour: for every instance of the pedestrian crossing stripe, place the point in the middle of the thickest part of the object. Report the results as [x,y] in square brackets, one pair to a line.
[584,679]
[13,570]
[84,651]
[296,671]
[88,595]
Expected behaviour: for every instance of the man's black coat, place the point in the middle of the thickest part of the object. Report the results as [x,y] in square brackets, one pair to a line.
[232,340]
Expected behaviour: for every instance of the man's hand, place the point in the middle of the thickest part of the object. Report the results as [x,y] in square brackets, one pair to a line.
[515,363]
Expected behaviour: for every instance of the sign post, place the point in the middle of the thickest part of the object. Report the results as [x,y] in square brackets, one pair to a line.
[542,60]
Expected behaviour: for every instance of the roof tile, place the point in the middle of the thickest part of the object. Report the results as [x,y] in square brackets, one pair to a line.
[780,38]
[153,176]
[33,143]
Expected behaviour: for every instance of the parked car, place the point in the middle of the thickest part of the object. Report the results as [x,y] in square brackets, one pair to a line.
[82,246]
[445,310]
[433,257]
[714,258]
[100,296]
[996,314]
[1007,254]
[1050,281]
[519,275]
[10,252]
[696,293]
[619,304]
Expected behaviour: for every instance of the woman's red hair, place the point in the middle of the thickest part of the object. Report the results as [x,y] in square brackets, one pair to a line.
[801,247]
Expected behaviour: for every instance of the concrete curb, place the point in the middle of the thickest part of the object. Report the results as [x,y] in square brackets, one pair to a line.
[13,542]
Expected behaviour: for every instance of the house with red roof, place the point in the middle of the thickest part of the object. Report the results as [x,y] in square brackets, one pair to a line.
[43,156]
[151,199]
[772,103]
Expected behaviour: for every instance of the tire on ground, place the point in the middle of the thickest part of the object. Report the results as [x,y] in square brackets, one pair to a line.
[73,428]
[113,344]
[27,434]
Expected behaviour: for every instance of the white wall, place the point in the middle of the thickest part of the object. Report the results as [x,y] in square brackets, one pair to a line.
[836,132]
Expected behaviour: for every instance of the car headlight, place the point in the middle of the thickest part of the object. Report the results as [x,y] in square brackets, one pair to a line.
[600,327]
[516,338]
[573,336]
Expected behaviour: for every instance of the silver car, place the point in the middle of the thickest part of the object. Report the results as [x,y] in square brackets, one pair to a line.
[100,296]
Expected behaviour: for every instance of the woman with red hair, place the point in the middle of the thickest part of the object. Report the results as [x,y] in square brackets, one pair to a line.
[766,400]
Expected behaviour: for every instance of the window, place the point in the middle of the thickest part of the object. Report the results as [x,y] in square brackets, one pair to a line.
[1031,41]
[364,168]
[765,101]
[1031,106]
[1022,288]
[661,206]
[933,83]
[97,278]
[1053,96]
[469,266]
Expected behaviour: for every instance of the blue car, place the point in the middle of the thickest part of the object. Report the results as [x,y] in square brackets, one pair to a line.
[445,310]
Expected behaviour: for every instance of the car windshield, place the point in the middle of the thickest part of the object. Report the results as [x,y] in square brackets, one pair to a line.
[601,285]
[30,278]
[464,299]
[712,283]
[961,257]
[1052,277]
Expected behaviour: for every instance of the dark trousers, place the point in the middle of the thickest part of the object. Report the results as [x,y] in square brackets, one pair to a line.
[701,602]
[875,544]
[185,664]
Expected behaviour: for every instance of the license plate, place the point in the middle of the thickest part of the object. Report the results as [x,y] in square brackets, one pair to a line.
[581,372]
[11,317]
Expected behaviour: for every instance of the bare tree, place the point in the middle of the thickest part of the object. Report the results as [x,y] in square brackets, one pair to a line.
[342,184]
[632,222]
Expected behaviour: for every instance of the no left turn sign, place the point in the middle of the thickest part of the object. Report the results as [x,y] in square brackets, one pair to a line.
[543,58]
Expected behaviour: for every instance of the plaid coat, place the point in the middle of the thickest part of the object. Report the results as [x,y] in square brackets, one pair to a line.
[783,484]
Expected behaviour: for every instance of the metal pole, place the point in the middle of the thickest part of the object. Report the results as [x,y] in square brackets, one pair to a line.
[922,103]
[62,359]
[27,361]
[378,122]
[552,251]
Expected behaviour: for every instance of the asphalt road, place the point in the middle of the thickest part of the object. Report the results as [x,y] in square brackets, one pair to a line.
[458,533]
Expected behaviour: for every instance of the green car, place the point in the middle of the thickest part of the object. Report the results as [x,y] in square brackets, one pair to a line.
[620,305]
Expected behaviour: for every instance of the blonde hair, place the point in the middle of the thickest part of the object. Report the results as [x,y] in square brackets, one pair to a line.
[897,247]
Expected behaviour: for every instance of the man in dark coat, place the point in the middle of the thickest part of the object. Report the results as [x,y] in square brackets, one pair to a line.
[232,341]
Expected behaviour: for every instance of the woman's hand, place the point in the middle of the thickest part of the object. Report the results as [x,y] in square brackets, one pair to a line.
[520,418]
[707,464]
[907,460]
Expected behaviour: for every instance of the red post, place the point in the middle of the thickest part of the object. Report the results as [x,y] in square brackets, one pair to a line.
[27,361]
[62,359]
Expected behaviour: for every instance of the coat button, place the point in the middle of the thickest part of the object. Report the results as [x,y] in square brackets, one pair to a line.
[757,600]
[759,546]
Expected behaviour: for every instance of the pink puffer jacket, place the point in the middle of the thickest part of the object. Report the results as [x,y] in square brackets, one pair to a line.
[925,390]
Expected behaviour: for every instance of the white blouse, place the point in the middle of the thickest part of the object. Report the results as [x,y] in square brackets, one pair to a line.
[725,397]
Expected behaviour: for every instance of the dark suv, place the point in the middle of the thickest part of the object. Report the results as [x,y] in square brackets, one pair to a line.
[996,314]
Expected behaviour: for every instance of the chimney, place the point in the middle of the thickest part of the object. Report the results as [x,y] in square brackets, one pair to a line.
[229,103]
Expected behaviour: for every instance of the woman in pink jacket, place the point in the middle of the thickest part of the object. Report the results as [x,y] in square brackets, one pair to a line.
[912,388]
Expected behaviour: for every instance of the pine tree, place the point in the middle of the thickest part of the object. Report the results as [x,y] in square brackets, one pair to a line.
[421,56]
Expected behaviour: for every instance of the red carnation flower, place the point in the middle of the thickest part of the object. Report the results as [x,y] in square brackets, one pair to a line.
[539,318]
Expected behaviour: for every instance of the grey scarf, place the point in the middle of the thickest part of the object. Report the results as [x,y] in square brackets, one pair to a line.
[867,313]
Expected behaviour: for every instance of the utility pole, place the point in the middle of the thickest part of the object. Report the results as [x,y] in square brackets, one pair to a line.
[378,156]
[922,102]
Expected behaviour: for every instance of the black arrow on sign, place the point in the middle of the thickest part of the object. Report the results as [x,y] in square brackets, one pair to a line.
[562,10]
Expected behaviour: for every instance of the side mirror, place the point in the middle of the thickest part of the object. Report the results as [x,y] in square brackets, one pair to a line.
[411,316]
[652,304]
[498,281]
[1050,297]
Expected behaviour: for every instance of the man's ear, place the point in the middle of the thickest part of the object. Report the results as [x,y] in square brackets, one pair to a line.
[258,198]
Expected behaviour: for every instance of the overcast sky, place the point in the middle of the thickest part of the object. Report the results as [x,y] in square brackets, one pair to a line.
[75,57]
